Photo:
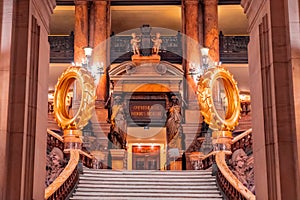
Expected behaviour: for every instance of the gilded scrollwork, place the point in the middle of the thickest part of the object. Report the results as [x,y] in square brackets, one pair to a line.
[208,108]
[87,104]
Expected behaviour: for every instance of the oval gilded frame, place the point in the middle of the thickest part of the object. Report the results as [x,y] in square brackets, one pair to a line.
[87,103]
[205,98]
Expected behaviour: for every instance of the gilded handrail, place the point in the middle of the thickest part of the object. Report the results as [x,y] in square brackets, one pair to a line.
[243,141]
[85,154]
[55,135]
[231,178]
[242,135]
[65,174]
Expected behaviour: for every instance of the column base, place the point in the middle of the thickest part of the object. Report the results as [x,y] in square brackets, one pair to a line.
[72,139]
[222,140]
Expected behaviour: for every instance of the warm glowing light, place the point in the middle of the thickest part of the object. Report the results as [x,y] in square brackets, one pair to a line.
[88,51]
[204,51]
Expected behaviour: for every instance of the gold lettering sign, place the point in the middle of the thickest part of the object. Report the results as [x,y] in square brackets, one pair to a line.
[147,111]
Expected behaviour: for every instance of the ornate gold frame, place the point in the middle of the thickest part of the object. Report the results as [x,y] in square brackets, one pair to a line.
[205,98]
[87,104]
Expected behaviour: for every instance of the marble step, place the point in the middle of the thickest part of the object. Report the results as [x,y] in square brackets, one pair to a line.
[144,198]
[142,172]
[170,184]
[103,195]
[147,190]
[151,176]
[138,179]
[85,187]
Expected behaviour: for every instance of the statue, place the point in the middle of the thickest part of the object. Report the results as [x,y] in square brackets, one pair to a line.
[174,128]
[55,165]
[242,170]
[135,44]
[118,126]
[156,43]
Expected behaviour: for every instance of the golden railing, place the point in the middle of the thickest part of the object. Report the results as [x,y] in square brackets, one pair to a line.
[243,141]
[65,182]
[54,140]
[229,183]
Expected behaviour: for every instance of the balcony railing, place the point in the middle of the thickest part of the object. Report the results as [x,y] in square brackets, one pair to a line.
[171,50]
[233,49]
[61,49]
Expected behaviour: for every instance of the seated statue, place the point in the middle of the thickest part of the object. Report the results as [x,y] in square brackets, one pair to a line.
[156,43]
[135,44]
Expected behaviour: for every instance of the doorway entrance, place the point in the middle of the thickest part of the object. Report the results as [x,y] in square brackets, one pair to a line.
[145,157]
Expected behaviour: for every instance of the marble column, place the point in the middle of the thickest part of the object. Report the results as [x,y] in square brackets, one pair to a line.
[100,45]
[192,46]
[24,71]
[211,31]
[274,66]
[81,30]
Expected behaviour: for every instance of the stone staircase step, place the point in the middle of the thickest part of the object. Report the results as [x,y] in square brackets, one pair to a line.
[150,176]
[170,191]
[137,179]
[147,172]
[145,198]
[171,184]
[146,184]
[87,187]
[141,195]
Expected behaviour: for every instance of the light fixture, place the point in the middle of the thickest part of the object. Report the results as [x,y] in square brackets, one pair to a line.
[205,58]
[197,69]
[88,51]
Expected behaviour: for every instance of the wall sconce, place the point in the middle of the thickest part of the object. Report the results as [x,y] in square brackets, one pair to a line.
[198,69]
[96,69]
[245,103]
[88,51]
[205,58]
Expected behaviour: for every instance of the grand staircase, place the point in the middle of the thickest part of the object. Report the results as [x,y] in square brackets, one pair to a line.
[165,185]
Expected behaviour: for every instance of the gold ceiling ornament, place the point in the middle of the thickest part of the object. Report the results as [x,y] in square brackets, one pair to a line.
[206,83]
[88,95]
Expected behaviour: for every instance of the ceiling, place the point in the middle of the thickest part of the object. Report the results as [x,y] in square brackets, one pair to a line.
[232,21]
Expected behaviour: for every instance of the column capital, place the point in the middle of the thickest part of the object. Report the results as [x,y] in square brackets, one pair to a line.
[102,2]
[80,2]
[191,2]
[210,2]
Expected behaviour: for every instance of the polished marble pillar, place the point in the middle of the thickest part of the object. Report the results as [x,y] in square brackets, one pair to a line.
[192,46]
[100,45]
[81,30]
[24,71]
[211,31]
